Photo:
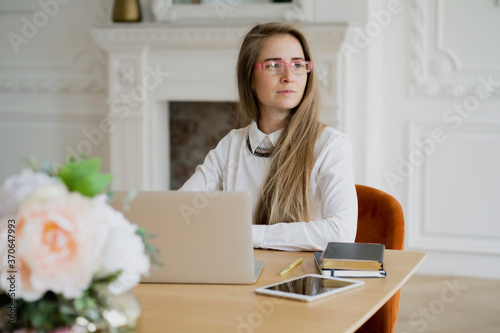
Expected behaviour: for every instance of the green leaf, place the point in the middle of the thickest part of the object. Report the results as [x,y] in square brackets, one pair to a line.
[46,314]
[67,310]
[151,251]
[107,279]
[84,303]
[74,171]
[84,177]
[33,163]
[92,184]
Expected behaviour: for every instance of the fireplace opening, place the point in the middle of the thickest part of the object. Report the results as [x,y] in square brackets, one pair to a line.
[195,129]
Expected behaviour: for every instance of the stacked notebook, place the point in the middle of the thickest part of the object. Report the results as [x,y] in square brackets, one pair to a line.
[351,260]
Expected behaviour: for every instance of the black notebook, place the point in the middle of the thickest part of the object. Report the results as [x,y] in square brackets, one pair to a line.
[347,273]
[354,256]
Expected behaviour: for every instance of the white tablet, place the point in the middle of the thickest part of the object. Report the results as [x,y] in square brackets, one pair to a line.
[309,287]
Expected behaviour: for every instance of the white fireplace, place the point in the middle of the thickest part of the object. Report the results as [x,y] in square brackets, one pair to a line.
[153,64]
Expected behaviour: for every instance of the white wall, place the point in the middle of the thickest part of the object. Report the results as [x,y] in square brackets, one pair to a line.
[52,81]
[439,162]
[427,58]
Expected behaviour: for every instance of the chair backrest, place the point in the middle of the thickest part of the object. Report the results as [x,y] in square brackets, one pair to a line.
[380,220]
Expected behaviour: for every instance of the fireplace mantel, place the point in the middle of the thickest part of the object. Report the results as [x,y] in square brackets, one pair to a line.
[124,36]
[152,64]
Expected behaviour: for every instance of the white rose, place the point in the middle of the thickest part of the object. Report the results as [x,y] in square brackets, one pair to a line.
[124,249]
[18,187]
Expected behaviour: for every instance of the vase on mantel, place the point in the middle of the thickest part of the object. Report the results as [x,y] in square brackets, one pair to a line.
[127,11]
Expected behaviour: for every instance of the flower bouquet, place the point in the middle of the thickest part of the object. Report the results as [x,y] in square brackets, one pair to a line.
[67,259]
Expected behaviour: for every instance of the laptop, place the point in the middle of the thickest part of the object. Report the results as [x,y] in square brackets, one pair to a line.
[202,237]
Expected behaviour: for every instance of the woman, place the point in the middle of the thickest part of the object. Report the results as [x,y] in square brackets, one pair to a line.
[297,171]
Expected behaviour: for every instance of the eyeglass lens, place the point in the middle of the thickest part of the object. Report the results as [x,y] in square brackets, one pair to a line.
[275,67]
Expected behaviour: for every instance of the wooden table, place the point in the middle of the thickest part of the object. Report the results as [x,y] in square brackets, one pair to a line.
[236,308]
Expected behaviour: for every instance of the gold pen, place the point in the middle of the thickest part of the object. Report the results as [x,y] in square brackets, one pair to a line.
[291,266]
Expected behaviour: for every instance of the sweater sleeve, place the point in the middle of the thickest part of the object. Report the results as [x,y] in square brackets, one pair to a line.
[339,206]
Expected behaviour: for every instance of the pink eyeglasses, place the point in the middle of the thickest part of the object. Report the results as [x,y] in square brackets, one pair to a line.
[277,67]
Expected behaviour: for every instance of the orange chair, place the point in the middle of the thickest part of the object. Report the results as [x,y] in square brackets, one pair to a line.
[380,220]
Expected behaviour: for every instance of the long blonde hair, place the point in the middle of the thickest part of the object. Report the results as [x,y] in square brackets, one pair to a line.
[286,191]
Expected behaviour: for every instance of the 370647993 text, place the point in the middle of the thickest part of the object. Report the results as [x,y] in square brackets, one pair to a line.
[11,273]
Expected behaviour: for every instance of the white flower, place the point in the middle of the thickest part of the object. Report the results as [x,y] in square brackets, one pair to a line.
[58,241]
[18,187]
[64,240]
[124,249]
[48,192]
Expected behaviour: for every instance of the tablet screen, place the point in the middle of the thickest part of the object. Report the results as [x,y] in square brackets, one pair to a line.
[309,285]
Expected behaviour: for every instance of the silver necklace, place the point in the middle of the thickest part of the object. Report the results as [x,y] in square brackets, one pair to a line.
[261,152]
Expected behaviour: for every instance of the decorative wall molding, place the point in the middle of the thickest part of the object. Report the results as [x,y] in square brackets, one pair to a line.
[24,117]
[422,234]
[126,74]
[447,59]
[30,85]
[231,11]
[449,90]
[323,70]
[428,65]
[418,21]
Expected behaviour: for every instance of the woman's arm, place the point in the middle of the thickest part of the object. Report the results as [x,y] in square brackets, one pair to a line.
[339,206]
